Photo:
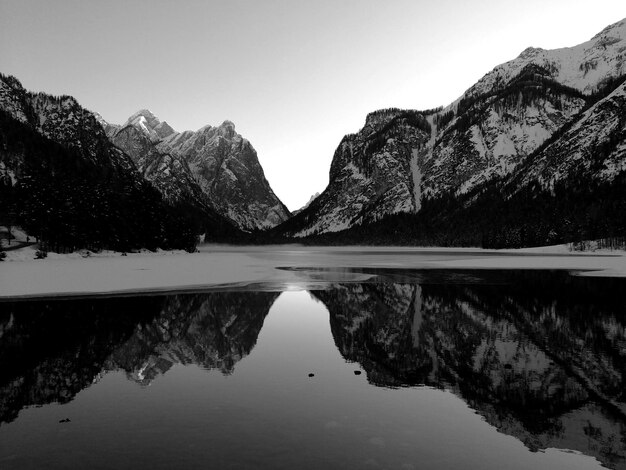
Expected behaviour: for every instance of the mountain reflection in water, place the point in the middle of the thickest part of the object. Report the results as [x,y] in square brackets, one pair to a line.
[540,356]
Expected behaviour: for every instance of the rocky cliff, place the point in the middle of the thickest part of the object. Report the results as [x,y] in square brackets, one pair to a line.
[499,129]
[214,166]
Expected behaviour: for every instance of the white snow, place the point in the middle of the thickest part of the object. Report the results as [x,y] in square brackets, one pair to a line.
[222,266]
[581,67]
[417,181]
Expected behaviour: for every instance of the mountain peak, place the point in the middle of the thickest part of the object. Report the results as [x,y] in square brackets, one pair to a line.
[145,113]
[145,121]
[530,52]
[227,129]
[616,29]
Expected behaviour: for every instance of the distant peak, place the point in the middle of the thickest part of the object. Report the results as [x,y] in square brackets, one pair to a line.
[612,28]
[99,118]
[381,116]
[227,129]
[145,113]
[147,123]
[530,52]
[12,81]
[164,129]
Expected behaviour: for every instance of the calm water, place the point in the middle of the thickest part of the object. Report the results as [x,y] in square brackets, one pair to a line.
[441,370]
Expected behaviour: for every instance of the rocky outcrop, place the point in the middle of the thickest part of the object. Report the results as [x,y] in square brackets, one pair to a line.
[495,131]
[214,166]
[68,185]
[374,173]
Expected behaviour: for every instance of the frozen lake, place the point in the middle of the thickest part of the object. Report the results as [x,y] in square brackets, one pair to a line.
[435,368]
[281,267]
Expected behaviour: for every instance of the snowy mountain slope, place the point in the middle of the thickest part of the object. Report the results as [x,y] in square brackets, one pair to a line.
[14,99]
[215,165]
[372,175]
[64,121]
[227,169]
[484,135]
[593,146]
[582,67]
[169,174]
[492,134]
[73,188]
[150,125]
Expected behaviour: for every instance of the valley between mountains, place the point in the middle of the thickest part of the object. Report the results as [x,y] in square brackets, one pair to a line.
[532,154]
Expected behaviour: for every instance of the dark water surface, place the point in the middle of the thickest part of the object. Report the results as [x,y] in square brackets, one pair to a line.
[413,370]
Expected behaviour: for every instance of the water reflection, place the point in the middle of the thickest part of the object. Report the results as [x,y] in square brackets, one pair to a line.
[51,350]
[540,356]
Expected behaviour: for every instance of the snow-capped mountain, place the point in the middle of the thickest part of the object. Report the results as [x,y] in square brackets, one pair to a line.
[214,164]
[484,135]
[373,173]
[71,187]
[62,120]
[582,67]
[169,174]
[593,144]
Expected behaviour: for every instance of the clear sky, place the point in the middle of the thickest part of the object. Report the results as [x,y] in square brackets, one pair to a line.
[293,75]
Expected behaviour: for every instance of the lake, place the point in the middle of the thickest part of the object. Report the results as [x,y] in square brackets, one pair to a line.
[437,369]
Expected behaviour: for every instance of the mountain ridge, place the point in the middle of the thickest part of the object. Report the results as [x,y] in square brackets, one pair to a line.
[495,128]
[70,187]
[216,164]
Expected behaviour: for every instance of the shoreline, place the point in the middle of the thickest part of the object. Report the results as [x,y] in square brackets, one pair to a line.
[241,268]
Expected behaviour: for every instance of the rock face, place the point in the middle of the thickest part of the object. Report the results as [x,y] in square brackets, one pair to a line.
[593,145]
[214,166]
[374,173]
[498,126]
[62,120]
[170,175]
[69,185]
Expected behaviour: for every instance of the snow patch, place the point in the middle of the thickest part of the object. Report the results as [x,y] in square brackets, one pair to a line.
[417,180]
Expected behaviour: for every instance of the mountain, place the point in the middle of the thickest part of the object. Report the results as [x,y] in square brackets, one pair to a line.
[373,173]
[213,166]
[311,199]
[169,174]
[547,112]
[67,185]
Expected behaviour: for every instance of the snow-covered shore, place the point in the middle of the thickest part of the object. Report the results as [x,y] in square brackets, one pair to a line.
[223,266]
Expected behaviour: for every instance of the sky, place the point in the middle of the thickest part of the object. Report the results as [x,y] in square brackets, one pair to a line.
[294,76]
